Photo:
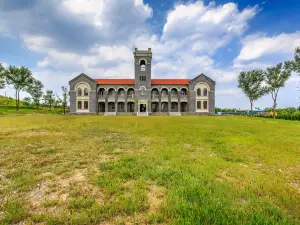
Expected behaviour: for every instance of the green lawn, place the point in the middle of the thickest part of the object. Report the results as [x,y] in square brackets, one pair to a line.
[149,170]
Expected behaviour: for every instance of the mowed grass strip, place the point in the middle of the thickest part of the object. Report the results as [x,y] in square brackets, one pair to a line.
[149,170]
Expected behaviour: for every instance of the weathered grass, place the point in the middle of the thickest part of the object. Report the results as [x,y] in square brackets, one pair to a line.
[132,170]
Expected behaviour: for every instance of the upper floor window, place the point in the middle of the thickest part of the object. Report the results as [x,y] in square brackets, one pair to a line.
[199,92]
[79,92]
[142,90]
[142,78]
[86,92]
[205,92]
[143,65]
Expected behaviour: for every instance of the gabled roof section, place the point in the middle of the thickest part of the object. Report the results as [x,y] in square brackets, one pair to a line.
[82,75]
[114,81]
[170,81]
[206,77]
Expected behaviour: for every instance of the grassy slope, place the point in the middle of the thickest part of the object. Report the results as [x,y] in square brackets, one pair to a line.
[170,170]
[9,107]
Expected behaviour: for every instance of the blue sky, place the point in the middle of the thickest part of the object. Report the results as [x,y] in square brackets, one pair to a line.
[60,39]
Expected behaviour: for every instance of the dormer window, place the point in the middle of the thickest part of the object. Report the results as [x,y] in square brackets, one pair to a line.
[205,92]
[143,65]
[79,92]
[199,92]
[86,92]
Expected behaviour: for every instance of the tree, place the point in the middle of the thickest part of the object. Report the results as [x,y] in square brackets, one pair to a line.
[276,78]
[2,80]
[65,97]
[20,78]
[297,61]
[27,101]
[251,83]
[36,92]
[49,98]
[57,101]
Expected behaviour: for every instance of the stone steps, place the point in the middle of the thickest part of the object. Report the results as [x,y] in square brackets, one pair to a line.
[142,114]
[175,114]
[110,114]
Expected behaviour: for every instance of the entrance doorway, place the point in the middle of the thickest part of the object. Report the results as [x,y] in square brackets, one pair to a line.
[143,108]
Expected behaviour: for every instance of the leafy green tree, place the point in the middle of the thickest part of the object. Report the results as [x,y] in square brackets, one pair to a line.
[57,101]
[251,83]
[36,92]
[297,61]
[65,97]
[2,78]
[49,98]
[27,101]
[276,78]
[20,79]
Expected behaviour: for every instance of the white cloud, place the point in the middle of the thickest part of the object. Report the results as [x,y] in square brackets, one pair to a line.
[206,27]
[260,49]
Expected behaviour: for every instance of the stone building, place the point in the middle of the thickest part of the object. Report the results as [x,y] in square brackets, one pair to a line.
[142,95]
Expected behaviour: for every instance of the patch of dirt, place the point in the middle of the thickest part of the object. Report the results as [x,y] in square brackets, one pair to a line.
[155,196]
[28,134]
[59,190]
[295,185]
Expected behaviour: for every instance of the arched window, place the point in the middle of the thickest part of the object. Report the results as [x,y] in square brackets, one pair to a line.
[205,92]
[143,65]
[143,89]
[164,92]
[79,92]
[86,92]
[199,92]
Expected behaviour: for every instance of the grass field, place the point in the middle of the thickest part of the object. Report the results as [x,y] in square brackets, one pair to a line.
[149,170]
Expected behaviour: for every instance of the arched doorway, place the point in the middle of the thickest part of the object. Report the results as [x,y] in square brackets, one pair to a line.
[154,107]
[164,107]
[130,107]
[174,107]
[121,107]
[111,107]
[101,107]
[183,107]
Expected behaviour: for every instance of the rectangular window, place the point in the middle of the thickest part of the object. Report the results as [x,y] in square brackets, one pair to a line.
[79,105]
[142,78]
[86,105]
[198,104]
[205,104]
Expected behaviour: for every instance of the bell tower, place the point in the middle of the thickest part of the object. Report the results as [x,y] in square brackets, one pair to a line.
[142,68]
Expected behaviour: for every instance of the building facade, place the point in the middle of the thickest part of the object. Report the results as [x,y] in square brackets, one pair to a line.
[142,95]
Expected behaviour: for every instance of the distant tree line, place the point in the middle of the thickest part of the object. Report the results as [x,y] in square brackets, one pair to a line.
[21,79]
[257,83]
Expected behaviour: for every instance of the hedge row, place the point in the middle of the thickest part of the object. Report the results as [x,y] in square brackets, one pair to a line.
[283,115]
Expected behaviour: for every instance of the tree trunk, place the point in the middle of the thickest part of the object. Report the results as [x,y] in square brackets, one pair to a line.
[274,108]
[251,103]
[64,109]
[17,106]
[18,99]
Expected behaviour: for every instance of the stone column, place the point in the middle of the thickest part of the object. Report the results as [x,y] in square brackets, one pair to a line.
[169,101]
[106,100]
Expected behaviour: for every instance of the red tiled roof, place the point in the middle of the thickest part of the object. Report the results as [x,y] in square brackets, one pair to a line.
[170,81]
[153,81]
[114,81]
